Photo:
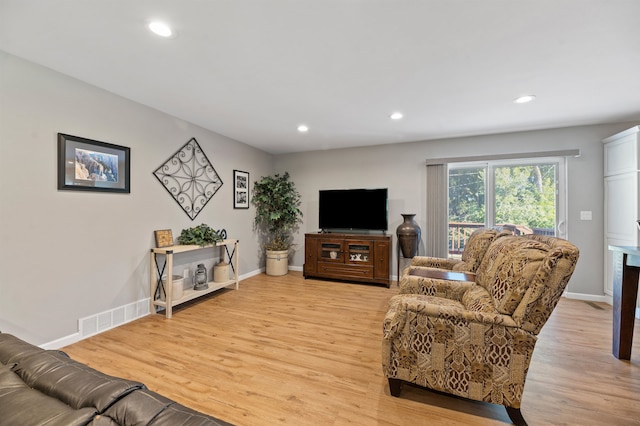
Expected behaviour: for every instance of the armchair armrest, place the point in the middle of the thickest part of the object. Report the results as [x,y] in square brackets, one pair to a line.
[405,306]
[447,289]
[434,262]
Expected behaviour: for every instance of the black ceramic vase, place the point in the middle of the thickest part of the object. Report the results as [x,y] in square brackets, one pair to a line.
[408,233]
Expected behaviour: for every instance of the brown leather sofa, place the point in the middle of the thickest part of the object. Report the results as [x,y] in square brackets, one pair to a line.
[46,387]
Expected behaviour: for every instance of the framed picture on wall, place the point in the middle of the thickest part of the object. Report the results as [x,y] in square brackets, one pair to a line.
[240,189]
[88,165]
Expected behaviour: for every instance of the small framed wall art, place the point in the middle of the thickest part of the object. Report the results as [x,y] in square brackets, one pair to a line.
[240,189]
[88,165]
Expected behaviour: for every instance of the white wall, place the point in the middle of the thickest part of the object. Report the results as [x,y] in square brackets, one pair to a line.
[401,168]
[65,255]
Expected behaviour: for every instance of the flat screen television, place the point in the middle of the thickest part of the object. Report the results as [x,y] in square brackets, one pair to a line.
[353,209]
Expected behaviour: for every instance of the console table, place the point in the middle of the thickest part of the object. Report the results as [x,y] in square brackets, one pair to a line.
[189,294]
[626,271]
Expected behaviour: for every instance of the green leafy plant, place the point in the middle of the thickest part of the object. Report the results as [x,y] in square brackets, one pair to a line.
[278,212]
[201,235]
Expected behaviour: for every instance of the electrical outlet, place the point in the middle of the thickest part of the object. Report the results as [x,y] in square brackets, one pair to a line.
[185,273]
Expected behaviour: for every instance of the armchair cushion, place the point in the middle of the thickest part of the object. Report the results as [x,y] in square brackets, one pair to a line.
[478,299]
[476,247]
[511,267]
[474,251]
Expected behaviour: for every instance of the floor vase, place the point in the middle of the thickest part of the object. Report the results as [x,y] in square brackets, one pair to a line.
[408,233]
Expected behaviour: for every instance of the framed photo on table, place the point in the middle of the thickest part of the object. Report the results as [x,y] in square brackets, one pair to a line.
[88,165]
[240,189]
[164,238]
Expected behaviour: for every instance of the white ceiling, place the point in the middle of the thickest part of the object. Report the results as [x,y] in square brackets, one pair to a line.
[253,70]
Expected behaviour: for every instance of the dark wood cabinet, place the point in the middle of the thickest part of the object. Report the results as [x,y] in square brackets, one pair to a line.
[350,257]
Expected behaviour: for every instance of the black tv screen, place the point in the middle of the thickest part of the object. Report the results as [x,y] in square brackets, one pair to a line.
[362,209]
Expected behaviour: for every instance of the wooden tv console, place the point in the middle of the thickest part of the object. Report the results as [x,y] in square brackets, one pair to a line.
[350,257]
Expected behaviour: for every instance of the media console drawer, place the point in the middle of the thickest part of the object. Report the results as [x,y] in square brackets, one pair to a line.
[355,271]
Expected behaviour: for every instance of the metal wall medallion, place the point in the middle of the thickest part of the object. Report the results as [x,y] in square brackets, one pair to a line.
[190,178]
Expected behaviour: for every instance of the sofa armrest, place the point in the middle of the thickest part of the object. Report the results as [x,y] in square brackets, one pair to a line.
[145,407]
[23,405]
[12,348]
[74,383]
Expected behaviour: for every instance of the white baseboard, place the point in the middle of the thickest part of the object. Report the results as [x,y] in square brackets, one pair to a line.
[62,342]
[251,274]
[588,297]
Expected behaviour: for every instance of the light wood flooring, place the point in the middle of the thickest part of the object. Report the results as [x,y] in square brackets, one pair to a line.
[285,350]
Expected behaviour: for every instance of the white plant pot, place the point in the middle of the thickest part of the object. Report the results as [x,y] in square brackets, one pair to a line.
[277,262]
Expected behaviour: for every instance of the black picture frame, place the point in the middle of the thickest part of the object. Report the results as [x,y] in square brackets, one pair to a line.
[90,165]
[240,189]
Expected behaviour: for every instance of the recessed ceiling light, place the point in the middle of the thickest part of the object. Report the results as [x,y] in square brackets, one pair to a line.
[303,128]
[524,99]
[396,116]
[160,28]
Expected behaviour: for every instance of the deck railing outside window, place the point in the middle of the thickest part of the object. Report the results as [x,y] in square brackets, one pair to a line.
[459,233]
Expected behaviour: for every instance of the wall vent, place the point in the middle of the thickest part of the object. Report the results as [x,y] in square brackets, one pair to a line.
[103,321]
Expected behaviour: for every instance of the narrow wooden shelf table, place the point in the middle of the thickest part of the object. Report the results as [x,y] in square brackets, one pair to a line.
[189,294]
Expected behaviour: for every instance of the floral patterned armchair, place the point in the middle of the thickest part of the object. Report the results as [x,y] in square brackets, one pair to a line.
[473,253]
[476,339]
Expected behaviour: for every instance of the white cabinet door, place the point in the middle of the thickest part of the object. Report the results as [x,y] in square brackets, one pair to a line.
[621,206]
[621,152]
[621,155]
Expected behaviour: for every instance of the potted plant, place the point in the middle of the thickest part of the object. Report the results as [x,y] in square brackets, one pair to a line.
[277,205]
[201,235]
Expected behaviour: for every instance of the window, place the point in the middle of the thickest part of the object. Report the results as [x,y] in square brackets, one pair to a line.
[524,196]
